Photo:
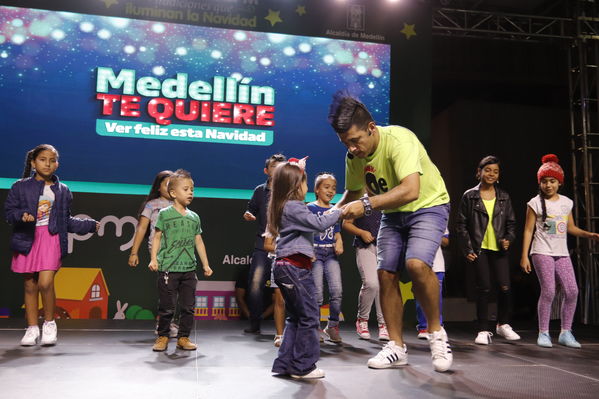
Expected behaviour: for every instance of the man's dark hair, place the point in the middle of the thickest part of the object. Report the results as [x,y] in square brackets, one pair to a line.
[274,158]
[346,111]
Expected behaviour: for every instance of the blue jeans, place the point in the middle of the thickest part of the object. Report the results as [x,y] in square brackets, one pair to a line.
[257,277]
[326,265]
[301,347]
[422,325]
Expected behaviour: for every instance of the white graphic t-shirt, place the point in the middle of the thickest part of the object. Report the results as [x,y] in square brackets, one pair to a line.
[550,236]
[44,206]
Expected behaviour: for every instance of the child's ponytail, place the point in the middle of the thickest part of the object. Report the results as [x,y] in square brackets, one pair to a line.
[27,169]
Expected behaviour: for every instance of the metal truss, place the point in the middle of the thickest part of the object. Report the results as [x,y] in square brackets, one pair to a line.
[584,130]
[496,25]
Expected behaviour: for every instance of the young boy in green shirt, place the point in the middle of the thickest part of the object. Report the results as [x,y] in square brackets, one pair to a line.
[178,231]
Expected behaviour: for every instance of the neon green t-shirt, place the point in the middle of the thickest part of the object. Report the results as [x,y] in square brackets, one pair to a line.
[490,240]
[399,154]
[177,245]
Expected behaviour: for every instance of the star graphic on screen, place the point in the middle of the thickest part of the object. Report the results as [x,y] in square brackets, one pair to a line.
[273,17]
[108,3]
[300,10]
[408,30]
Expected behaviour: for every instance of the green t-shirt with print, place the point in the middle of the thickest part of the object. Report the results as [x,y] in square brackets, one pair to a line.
[177,245]
[399,154]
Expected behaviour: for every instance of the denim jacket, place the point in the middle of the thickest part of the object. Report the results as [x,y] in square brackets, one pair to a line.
[298,225]
[23,197]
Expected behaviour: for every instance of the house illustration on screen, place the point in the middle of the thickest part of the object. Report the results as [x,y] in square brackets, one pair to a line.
[81,293]
[215,300]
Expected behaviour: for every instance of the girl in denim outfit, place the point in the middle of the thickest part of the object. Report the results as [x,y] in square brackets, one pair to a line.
[327,246]
[39,208]
[292,221]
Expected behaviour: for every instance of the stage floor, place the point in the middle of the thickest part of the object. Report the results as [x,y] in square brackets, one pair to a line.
[114,359]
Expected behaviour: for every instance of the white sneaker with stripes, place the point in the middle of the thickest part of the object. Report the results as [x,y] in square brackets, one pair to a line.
[390,356]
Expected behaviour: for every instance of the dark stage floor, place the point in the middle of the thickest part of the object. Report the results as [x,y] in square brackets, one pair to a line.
[113,359]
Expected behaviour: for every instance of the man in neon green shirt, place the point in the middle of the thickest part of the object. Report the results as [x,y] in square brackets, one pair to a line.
[388,169]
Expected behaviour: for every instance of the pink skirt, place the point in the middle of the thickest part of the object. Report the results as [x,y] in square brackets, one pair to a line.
[44,254]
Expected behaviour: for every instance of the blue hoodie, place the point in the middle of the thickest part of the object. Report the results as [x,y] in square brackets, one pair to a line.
[23,197]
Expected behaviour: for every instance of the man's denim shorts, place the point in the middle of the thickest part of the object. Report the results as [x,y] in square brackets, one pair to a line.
[410,235]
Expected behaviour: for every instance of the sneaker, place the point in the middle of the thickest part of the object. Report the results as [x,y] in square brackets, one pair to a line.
[49,333]
[506,331]
[440,350]
[422,333]
[316,373]
[566,338]
[333,334]
[362,328]
[160,344]
[185,344]
[321,336]
[391,355]
[544,340]
[174,331]
[278,340]
[31,335]
[383,333]
[483,338]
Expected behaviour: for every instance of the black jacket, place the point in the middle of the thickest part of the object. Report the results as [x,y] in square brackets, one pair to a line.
[473,219]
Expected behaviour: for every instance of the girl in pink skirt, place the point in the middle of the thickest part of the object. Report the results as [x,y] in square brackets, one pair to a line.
[38,208]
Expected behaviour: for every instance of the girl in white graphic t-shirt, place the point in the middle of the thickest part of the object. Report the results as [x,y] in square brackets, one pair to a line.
[548,222]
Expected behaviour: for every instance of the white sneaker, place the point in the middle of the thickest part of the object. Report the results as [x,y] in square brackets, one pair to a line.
[440,350]
[49,333]
[278,340]
[316,373]
[383,333]
[31,335]
[506,331]
[362,328]
[483,338]
[391,355]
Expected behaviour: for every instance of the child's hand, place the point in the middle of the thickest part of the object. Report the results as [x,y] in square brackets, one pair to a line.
[366,237]
[525,265]
[153,266]
[249,216]
[594,236]
[133,260]
[353,210]
[27,217]
[338,248]
[505,244]
[207,271]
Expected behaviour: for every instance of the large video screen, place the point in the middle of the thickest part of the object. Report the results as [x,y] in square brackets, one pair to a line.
[122,99]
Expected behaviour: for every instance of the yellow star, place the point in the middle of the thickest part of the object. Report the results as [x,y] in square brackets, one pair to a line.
[273,17]
[408,30]
[300,10]
[108,3]
[406,291]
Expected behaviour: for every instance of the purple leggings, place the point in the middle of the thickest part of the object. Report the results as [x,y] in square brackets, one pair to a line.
[548,268]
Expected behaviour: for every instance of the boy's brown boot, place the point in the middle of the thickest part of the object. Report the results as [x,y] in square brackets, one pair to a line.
[185,344]
[160,344]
